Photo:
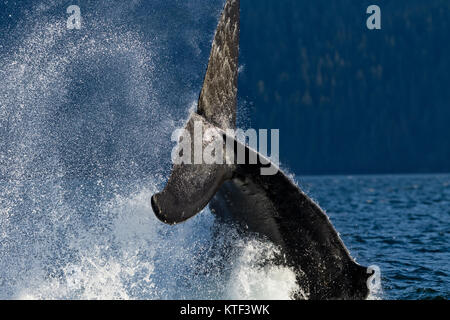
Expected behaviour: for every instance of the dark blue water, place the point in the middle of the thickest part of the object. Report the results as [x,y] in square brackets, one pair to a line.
[400,223]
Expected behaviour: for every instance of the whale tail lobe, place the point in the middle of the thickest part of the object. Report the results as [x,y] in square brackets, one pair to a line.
[191,186]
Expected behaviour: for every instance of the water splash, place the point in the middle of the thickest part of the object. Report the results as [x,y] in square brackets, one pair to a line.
[83,127]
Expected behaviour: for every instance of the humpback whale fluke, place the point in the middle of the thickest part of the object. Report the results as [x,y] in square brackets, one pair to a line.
[272,206]
[217,102]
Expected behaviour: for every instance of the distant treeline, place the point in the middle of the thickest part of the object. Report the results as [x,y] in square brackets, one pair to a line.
[348,99]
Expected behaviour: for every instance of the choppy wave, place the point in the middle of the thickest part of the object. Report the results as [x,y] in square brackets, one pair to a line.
[399,223]
[133,256]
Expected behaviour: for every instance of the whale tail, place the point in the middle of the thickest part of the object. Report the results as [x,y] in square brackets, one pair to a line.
[273,206]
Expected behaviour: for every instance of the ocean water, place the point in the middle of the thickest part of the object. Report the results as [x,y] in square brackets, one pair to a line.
[54,248]
[85,124]
[400,223]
